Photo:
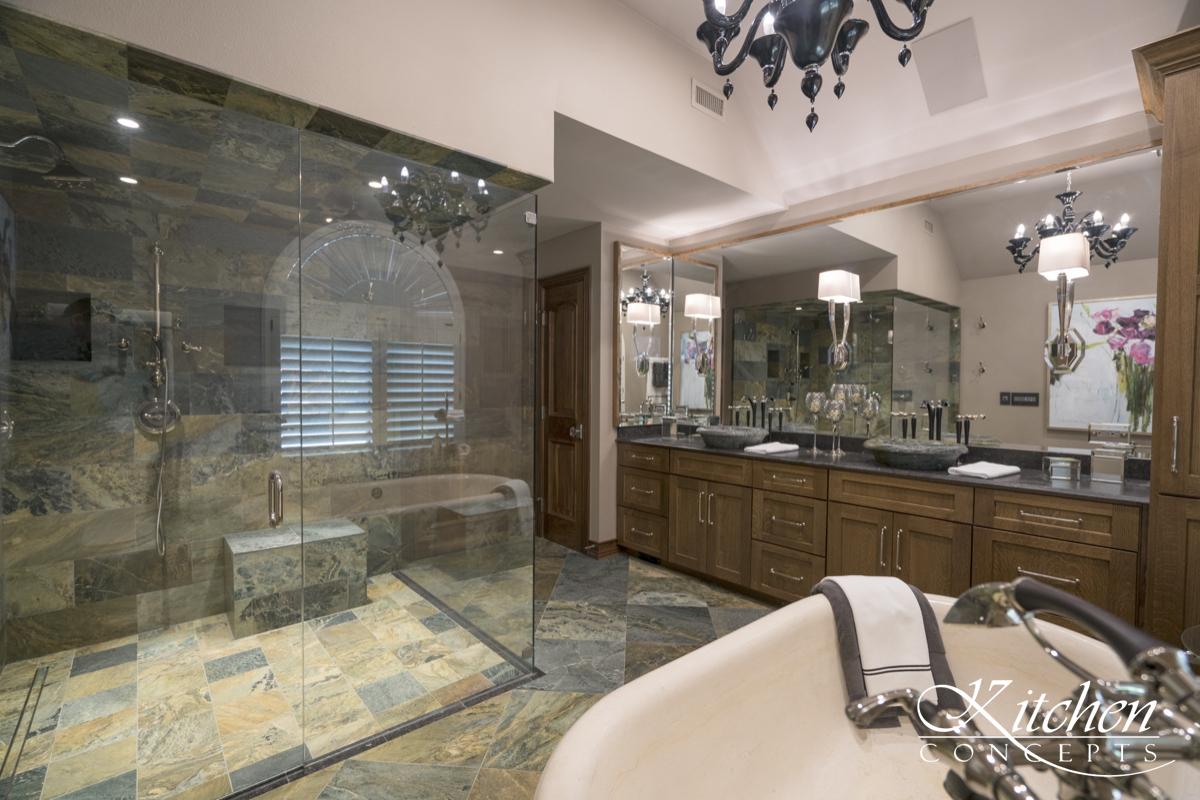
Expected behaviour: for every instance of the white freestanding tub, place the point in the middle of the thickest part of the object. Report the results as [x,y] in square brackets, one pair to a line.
[760,714]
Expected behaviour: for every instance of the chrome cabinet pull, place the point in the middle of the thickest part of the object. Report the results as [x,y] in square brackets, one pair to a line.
[784,575]
[641,491]
[798,525]
[1023,514]
[275,499]
[640,532]
[1174,445]
[896,553]
[710,497]
[700,507]
[882,536]
[639,457]
[789,479]
[1028,573]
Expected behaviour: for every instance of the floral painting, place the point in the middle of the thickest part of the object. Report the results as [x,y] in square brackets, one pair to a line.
[1115,381]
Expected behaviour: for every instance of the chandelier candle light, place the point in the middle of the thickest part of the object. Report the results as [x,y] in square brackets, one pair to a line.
[839,286]
[429,204]
[811,31]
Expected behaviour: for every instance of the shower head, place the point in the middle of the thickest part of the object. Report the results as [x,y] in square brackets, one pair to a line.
[63,173]
[988,604]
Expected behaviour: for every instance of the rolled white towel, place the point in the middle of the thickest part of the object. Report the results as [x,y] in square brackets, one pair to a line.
[985,469]
[772,448]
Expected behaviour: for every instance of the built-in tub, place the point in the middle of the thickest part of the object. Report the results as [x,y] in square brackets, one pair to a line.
[408,519]
[760,714]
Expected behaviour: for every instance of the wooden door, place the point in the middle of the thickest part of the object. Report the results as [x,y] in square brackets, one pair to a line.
[932,554]
[687,546]
[1100,575]
[1175,543]
[565,358]
[858,542]
[729,532]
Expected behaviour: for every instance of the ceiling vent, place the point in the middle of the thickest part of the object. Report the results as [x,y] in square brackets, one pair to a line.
[707,101]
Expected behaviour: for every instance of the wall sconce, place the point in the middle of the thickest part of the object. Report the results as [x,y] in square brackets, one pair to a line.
[647,315]
[839,286]
[702,306]
[1064,259]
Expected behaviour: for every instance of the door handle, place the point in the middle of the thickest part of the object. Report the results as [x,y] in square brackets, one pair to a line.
[1174,445]
[882,536]
[575,432]
[896,550]
[799,525]
[275,499]
[710,497]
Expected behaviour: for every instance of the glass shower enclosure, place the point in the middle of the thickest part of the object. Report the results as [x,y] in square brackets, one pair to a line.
[266,425]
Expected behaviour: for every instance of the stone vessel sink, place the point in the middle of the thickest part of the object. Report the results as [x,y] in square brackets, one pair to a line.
[914,453]
[731,437]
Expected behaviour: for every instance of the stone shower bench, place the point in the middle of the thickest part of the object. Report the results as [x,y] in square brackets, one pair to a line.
[275,577]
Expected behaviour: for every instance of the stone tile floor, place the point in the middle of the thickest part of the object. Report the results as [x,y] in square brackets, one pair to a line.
[600,624]
[191,712]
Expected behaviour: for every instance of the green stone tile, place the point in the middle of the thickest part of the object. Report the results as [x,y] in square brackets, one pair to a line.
[269,106]
[364,780]
[504,784]
[340,126]
[470,165]
[532,726]
[41,36]
[518,181]
[412,148]
[175,76]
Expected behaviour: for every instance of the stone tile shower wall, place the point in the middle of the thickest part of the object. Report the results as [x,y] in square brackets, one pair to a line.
[218,164]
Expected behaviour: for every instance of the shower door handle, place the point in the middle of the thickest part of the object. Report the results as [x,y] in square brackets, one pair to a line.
[275,499]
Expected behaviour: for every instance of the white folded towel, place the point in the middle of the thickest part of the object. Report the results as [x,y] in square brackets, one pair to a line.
[985,469]
[772,448]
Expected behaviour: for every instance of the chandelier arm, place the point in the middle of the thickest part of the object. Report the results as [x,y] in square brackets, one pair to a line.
[726,21]
[918,9]
[728,69]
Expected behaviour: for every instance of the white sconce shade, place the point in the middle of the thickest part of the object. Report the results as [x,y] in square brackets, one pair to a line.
[702,306]
[839,286]
[1066,254]
[643,314]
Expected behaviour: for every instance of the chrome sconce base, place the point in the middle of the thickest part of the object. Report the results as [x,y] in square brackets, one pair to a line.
[1064,351]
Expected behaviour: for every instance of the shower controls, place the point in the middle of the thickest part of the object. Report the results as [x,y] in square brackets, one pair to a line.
[275,499]
[188,347]
[7,425]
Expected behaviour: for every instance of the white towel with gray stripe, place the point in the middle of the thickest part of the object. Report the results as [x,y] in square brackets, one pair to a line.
[888,638]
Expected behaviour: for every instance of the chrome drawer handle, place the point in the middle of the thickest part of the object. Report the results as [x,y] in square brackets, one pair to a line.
[1023,514]
[896,554]
[787,479]
[1028,573]
[798,525]
[710,497]
[640,532]
[882,536]
[641,491]
[637,457]
[779,574]
[1174,445]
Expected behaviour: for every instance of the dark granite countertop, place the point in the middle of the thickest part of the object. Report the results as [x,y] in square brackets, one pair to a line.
[1132,492]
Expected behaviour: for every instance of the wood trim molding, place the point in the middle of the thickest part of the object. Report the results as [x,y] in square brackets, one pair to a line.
[599,550]
[1155,61]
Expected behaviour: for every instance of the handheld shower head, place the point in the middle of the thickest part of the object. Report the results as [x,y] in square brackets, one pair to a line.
[63,173]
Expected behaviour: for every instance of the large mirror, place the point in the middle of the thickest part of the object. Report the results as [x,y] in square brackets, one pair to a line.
[956,305]
[665,335]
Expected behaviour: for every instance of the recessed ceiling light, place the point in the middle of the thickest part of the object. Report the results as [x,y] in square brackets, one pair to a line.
[129,180]
[126,122]
[497,252]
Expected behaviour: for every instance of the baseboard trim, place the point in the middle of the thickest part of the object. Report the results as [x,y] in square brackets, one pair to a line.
[600,550]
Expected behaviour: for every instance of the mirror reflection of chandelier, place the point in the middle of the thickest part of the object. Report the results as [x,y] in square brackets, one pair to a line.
[431,205]
[647,294]
[643,307]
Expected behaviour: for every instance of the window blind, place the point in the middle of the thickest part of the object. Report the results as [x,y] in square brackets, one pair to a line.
[326,393]
[420,382]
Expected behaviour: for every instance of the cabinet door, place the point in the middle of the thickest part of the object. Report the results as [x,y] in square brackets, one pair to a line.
[1173,557]
[1100,575]
[858,542]
[687,545]
[932,554]
[729,532]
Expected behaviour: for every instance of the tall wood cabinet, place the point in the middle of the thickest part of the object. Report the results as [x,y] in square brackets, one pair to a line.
[1169,74]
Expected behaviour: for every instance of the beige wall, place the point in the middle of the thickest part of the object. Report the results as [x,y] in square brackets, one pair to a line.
[1014,307]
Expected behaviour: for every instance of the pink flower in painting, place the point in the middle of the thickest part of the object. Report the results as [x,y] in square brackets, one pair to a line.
[1116,342]
[1103,328]
[1141,353]
[1105,314]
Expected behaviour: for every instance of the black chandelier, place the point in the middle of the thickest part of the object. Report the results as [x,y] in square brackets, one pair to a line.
[1106,242]
[810,30]
[428,204]
[646,294]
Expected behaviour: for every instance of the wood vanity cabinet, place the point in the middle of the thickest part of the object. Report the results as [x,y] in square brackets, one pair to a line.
[932,554]
[710,528]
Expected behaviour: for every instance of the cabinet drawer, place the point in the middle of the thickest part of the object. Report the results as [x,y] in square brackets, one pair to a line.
[642,532]
[791,479]
[656,459]
[723,469]
[644,491]
[782,573]
[1102,575]
[788,521]
[1084,521]
[923,498]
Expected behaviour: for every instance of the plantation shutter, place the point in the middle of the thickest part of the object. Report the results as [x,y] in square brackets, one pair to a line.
[326,392]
